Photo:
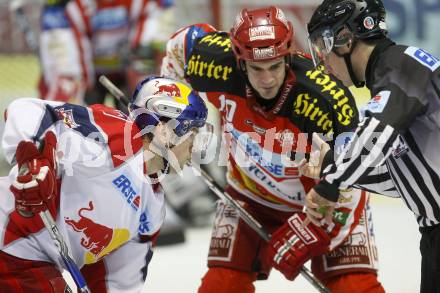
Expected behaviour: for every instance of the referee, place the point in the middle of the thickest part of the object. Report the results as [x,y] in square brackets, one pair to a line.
[396,148]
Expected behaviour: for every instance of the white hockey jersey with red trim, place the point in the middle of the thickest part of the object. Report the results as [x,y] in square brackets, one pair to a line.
[105,202]
[81,37]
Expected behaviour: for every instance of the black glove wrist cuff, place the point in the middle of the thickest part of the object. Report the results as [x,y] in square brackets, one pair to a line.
[327,190]
[326,161]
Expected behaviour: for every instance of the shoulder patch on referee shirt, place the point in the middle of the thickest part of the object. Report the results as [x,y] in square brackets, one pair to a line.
[377,103]
[423,57]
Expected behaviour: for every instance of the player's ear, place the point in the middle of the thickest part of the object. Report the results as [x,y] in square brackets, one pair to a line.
[344,41]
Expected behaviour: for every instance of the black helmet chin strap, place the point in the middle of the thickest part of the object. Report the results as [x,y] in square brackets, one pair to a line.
[347,58]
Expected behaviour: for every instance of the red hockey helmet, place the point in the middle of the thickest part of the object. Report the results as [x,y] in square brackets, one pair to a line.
[261,34]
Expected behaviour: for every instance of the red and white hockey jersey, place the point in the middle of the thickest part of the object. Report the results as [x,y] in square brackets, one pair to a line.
[82,37]
[106,205]
[259,142]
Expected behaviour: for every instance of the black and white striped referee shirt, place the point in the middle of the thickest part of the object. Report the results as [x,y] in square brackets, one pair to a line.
[396,148]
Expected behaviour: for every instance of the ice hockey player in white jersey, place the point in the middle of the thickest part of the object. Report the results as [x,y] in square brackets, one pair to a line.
[96,170]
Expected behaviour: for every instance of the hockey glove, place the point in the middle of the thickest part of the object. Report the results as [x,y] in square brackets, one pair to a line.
[293,244]
[35,187]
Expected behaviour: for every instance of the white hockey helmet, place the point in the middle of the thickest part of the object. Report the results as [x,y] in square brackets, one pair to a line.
[161,99]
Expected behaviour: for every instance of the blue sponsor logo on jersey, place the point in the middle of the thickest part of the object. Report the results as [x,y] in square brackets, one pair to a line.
[53,18]
[143,226]
[265,159]
[110,18]
[423,57]
[123,184]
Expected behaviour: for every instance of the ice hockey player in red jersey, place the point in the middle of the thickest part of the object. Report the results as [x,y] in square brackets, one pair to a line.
[271,99]
[96,170]
[82,39]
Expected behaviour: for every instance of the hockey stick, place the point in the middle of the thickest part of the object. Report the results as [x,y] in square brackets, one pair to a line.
[251,221]
[63,249]
[255,225]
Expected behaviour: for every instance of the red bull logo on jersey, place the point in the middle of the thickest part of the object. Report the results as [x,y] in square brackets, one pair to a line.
[67,117]
[98,239]
[124,185]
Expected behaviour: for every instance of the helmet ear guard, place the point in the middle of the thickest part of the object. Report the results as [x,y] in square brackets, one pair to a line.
[164,107]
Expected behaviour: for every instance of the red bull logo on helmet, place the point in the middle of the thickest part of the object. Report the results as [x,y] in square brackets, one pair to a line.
[98,239]
[124,185]
[171,89]
[175,90]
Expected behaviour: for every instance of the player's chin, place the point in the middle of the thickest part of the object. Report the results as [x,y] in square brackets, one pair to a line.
[268,94]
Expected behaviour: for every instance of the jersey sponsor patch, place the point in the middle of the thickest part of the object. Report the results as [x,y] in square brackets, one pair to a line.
[77,118]
[358,251]
[423,57]
[342,101]
[54,17]
[258,129]
[110,18]
[144,222]
[377,103]
[224,233]
[261,33]
[66,116]
[302,232]
[124,185]
[264,53]
[401,149]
